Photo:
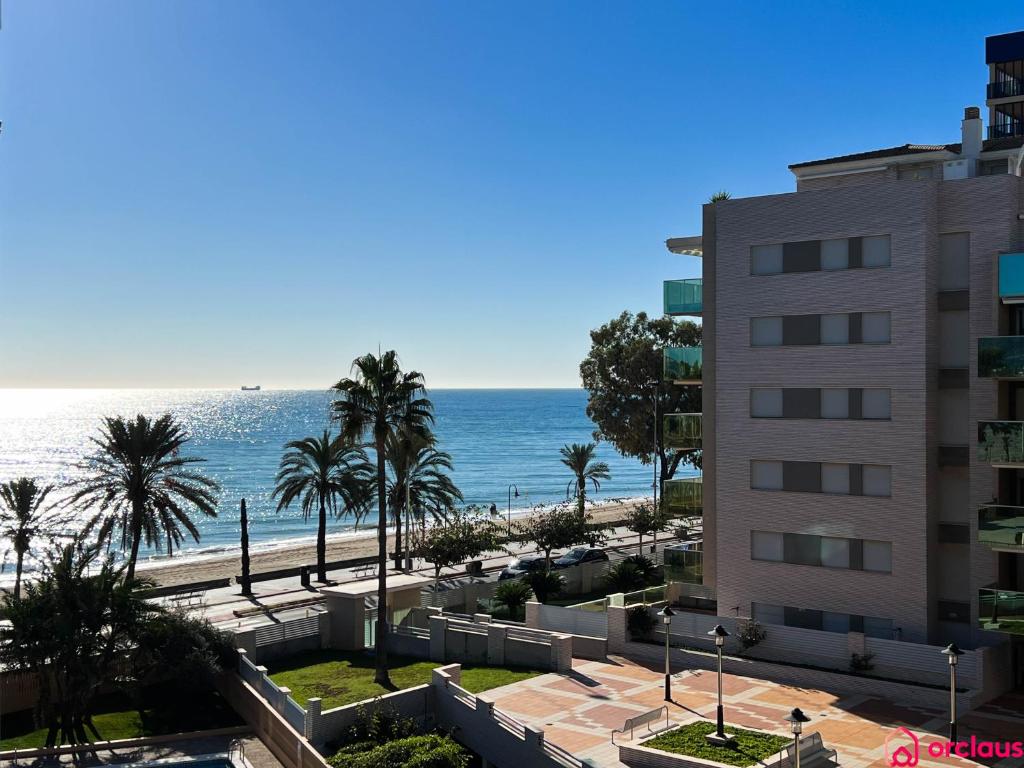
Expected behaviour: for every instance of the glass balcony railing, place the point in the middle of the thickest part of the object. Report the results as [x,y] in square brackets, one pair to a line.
[683,364]
[1003,89]
[1001,610]
[684,297]
[682,431]
[1001,442]
[1001,526]
[685,496]
[1001,357]
[684,565]
[1011,278]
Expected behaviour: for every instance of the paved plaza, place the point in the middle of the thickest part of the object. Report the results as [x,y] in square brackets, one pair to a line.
[579,711]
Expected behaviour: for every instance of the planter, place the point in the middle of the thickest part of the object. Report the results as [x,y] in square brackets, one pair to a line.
[640,755]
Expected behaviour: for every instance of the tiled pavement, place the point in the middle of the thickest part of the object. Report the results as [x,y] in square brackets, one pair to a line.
[578,711]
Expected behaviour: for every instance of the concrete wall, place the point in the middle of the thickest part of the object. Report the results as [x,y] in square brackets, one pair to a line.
[333,724]
[485,642]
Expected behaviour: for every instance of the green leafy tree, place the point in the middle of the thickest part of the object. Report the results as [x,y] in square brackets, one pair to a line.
[646,568]
[418,465]
[137,481]
[70,629]
[324,474]
[627,398]
[379,401]
[24,520]
[458,539]
[513,594]
[644,519]
[559,528]
[579,458]
[545,584]
[719,196]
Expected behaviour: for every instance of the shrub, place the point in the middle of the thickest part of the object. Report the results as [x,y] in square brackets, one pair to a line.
[750,634]
[645,566]
[430,751]
[640,622]
[513,594]
[624,576]
[859,663]
[384,724]
[545,584]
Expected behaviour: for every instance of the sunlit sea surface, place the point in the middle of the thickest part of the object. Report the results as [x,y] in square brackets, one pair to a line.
[496,437]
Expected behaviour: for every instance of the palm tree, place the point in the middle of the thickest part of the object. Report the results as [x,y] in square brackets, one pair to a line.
[417,464]
[321,472]
[22,519]
[377,402]
[139,482]
[579,458]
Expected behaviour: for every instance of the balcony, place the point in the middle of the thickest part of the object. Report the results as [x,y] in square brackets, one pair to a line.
[1006,130]
[1001,610]
[684,297]
[1001,357]
[1001,527]
[684,565]
[1001,443]
[1011,278]
[682,431]
[685,496]
[1004,89]
[683,365]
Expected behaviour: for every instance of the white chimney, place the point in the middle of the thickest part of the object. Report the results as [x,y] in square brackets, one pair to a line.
[970,130]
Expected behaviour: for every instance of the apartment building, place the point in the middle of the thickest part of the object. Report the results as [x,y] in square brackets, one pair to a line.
[863,387]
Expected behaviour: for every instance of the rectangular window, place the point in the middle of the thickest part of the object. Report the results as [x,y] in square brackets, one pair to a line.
[803,256]
[875,327]
[801,476]
[766,259]
[835,329]
[766,613]
[835,622]
[954,261]
[766,545]
[880,628]
[875,404]
[802,549]
[835,404]
[765,331]
[835,478]
[949,610]
[804,330]
[954,533]
[878,556]
[875,251]
[876,480]
[800,403]
[835,254]
[766,403]
[803,618]
[835,553]
[766,475]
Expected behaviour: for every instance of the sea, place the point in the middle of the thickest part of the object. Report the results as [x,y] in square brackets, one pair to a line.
[497,439]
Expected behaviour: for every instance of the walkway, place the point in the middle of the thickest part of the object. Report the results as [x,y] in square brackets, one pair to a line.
[578,711]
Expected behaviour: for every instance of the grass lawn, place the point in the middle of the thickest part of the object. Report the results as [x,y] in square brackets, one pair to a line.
[115,718]
[751,746]
[340,677]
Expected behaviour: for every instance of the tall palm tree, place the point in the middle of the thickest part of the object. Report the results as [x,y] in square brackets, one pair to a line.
[321,472]
[377,402]
[579,458]
[138,481]
[415,462]
[22,519]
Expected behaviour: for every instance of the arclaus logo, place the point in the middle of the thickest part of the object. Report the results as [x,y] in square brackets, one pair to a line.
[902,749]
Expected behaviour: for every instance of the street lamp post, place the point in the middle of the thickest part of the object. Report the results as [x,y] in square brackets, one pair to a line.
[952,654]
[512,487]
[666,614]
[720,633]
[796,720]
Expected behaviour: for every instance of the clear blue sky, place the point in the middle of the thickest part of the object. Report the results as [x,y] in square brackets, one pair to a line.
[219,193]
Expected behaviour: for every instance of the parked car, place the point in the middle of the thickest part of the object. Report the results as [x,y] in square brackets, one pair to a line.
[578,555]
[521,566]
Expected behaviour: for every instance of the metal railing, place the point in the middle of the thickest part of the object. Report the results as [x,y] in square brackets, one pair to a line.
[561,755]
[1006,130]
[645,596]
[1002,89]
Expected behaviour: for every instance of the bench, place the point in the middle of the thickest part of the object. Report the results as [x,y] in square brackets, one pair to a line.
[192,599]
[813,754]
[645,719]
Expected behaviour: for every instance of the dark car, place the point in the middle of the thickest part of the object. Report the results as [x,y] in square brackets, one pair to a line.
[521,566]
[578,555]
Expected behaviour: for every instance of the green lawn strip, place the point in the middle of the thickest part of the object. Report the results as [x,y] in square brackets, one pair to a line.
[751,746]
[115,718]
[340,677]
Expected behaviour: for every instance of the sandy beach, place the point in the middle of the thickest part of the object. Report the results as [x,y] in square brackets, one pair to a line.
[340,547]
